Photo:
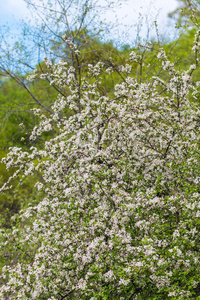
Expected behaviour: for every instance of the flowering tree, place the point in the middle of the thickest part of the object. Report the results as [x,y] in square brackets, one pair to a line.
[120,186]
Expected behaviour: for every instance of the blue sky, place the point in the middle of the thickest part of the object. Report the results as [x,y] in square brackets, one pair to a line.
[11,11]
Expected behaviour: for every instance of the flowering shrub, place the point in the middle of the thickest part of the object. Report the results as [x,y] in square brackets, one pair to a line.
[121,183]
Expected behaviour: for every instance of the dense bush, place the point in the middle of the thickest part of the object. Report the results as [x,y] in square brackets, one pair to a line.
[120,186]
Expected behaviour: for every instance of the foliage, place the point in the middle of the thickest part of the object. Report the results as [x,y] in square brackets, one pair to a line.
[120,184]
[180,51]
[17,122]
